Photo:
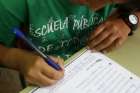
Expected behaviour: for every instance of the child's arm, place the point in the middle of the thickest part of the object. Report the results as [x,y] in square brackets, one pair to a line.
[33,67]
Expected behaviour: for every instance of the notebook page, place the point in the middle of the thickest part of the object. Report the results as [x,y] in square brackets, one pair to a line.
[94,73]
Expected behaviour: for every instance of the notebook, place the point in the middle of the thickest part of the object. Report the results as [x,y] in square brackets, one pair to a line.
[88,72]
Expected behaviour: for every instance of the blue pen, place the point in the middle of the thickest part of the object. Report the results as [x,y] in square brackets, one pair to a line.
[47,59]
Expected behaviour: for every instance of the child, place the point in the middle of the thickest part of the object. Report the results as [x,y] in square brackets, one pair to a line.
[56,27]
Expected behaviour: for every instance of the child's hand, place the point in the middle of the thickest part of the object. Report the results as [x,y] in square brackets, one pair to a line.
[37,72]
[109,35]
[34,69]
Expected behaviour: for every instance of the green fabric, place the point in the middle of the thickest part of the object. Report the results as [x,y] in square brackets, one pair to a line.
[11,14]
[57,27]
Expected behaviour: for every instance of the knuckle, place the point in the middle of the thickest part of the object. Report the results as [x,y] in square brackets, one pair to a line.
[38,61]
[106,34]
[107,31]
[58,75]
[55,75]
[29,73]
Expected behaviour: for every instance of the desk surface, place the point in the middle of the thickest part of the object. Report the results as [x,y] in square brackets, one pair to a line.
[128,55]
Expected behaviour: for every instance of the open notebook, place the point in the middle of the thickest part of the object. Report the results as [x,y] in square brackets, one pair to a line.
[89,72]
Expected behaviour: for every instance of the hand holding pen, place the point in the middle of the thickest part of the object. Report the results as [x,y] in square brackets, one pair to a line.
[36,69]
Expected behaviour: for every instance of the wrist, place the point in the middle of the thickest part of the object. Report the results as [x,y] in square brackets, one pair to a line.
[131,20]
[15,57]
[124,24]
[10,59]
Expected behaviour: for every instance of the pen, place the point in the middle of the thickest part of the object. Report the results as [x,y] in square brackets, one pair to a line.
[47,59]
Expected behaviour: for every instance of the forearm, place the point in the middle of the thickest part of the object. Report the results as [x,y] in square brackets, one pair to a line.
[12,57]
[31,66]
[7,57]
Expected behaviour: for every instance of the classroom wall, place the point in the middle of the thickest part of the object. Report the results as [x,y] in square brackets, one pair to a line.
[9,81]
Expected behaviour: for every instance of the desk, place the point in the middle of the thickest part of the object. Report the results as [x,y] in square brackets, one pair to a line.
[128,56]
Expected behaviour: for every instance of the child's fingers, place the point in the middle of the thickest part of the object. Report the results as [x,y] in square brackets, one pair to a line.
[59,61]
[38,72]
[51,72]
[41,80]
[45,81]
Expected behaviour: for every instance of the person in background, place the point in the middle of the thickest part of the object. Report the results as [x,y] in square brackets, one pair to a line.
[58,28]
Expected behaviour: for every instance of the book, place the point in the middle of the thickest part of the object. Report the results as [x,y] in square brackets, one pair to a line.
[88,72]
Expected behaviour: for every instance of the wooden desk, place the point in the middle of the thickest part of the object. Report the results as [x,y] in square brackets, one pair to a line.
[128,55]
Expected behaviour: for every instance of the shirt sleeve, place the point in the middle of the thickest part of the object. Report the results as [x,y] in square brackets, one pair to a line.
[12,14]
[106,11]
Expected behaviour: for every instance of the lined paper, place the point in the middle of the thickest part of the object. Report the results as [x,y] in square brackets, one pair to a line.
[94,73]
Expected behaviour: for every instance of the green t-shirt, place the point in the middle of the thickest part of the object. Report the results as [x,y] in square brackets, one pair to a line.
[57,27]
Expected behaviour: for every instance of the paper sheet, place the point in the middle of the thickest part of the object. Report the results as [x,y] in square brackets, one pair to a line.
[94,73]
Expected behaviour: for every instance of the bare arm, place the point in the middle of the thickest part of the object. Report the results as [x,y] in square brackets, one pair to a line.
[31,66]
[5,59]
